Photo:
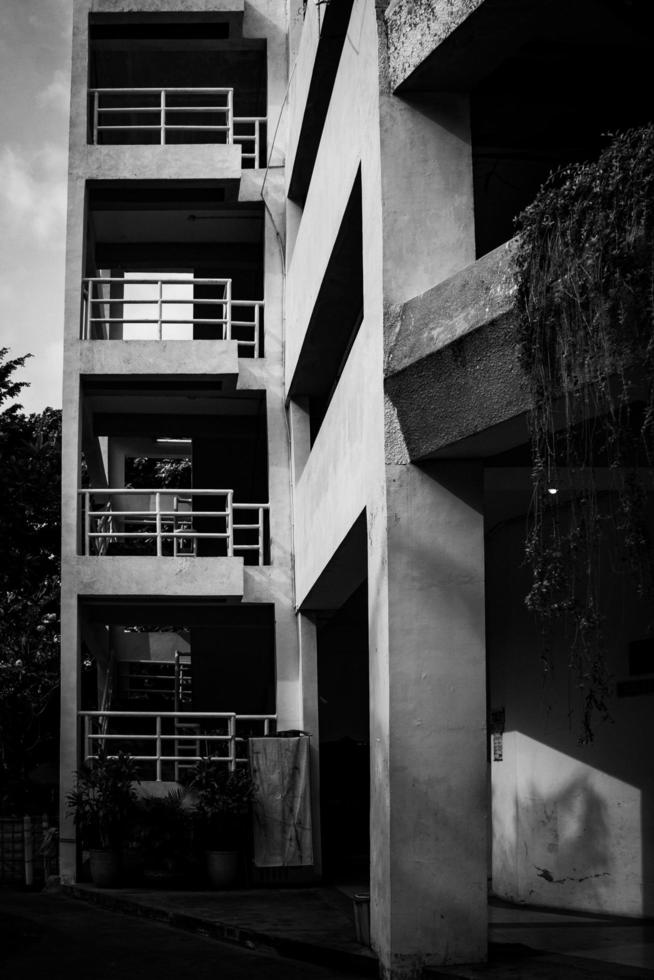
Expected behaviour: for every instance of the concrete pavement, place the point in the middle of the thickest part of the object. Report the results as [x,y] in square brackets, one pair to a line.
[49,935]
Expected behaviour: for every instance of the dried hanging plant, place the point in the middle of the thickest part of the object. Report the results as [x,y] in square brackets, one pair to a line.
[586,306]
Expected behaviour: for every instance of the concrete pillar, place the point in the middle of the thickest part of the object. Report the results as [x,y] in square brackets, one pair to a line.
[309,722]
[427,194]
[69,672]
[428,825]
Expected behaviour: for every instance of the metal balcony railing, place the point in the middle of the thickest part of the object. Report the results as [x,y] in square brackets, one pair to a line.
[130,521]
[178,738]
[175,115]
[105,308]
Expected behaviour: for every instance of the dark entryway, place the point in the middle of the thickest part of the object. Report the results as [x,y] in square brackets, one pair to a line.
[344,740]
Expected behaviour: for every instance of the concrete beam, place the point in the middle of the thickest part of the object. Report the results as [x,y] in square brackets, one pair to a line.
[451,364]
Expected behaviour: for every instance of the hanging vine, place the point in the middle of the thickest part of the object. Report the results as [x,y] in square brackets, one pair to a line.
[586,327]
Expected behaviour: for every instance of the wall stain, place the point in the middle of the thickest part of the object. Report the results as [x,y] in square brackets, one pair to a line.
[547,875]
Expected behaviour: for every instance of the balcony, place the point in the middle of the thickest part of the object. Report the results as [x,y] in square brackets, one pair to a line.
[171,680]
[165,743]
[144,522]
[170,308]
[173,116]
[171,261]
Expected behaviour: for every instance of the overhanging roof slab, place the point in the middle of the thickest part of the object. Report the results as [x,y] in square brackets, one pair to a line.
[451,44]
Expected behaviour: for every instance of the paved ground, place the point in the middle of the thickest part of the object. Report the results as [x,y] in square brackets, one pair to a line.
[316,924]
[53,937]
[606,939]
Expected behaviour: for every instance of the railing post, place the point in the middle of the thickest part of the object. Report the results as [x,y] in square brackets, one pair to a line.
[162,121]
[86,543]
[28,851]
[230,524]
[86,313]
[230,115]
[87,738]
[261,535]
[96,113]
[158,749]
[228,310]
[160,309]
[157,504]
[257,323]
[257,132]
[232,742]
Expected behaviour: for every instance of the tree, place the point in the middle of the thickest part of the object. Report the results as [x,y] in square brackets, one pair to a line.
[29,588]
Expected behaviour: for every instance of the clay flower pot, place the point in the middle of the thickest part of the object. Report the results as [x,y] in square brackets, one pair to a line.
[222,868]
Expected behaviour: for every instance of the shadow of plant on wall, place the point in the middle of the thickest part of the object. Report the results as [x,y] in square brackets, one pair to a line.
[562,847]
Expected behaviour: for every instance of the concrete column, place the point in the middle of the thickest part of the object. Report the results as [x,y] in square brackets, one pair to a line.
[69,676]
[428,823]
[309,721]
[428,205]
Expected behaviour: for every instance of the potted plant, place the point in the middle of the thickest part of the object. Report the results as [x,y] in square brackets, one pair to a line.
[222,800]
[166,833]
[102,805]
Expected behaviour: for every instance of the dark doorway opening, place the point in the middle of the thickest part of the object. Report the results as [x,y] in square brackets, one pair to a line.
[344,740]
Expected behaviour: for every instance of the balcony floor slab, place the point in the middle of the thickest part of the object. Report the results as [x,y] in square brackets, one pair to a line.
[111,575]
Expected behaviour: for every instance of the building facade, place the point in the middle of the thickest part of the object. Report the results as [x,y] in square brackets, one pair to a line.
[296,465]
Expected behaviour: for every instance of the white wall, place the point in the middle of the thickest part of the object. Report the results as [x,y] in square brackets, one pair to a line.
[573,825]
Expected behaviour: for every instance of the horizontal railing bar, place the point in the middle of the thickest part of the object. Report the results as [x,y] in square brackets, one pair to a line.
[173,736]
[165,322]
[157,109]
[193,108]
[165,282]
[111,713]
[173,758]
[145,301]
[150,535]
[188,88]
[138,126]
[199,492]
[212,129]
[168,514]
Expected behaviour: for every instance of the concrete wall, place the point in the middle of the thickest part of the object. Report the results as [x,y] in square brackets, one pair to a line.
[344,472]
[424,546]
[572,824]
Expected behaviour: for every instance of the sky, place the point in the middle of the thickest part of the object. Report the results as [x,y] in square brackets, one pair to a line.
[35,40]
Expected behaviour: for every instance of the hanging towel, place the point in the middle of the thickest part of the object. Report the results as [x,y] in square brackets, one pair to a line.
[282,802]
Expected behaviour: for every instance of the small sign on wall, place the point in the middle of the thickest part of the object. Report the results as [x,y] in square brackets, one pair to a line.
[497,722]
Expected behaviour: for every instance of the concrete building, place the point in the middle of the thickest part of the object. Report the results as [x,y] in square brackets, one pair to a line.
[289,271]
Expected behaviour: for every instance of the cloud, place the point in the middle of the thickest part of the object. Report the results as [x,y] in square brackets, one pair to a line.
[33,192]
[56,94]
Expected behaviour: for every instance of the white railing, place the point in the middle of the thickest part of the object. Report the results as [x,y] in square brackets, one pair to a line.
[164,521]
[104,313]
[168,727]
[164,111]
